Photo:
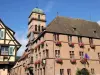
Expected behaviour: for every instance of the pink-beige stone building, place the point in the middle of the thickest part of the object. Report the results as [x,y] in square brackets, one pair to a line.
[63,47]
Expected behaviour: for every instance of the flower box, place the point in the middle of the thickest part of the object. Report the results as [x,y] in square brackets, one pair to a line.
[39,61]
[30,68]
[59,60]
[36,63]
[92,46]
[73,61]
[83,60]
[81,44]
[58,43]
[71,44]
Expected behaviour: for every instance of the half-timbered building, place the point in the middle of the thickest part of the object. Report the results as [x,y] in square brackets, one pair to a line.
[8,48]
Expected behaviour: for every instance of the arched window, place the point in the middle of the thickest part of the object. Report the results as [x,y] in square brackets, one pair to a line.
[39,17]
[35,27]
[39,28]
[42,28]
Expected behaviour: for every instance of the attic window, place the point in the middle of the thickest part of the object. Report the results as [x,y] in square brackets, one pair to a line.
[94,31]
[74,28]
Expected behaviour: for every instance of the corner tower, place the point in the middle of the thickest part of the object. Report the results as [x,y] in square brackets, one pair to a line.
[36,24]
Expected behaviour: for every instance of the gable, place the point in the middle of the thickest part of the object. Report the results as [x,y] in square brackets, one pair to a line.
[8,36]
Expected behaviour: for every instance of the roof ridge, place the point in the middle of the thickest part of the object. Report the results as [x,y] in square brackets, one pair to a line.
[77,19]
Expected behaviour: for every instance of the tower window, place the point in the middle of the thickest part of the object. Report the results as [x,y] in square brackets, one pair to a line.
[42,28]
[39,17]
[35,27]
[39,28]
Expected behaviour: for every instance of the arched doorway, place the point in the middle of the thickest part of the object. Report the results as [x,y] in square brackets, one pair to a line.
[84,71]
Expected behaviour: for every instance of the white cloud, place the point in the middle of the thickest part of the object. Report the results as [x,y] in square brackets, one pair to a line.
[49,6]
[98,22]
[21,37]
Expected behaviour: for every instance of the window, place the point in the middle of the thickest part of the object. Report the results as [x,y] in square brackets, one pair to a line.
[90,40]
[39,28]
[41,71]
[1,34]
[47,53]
[57,53]
[43,53]
[36,56]
[61,71]
[38,17]
[99,55]
[40,54]
[69,38]
[94,32]
[80,39]
[11,50]
[92,70]
[71,54]
[31,59]
[56,37]
[81,54]
[42,28]
[35,27]
[68,71]
[74,28]
[4,50]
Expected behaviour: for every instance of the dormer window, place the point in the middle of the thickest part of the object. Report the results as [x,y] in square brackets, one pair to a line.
[38,17]
[74,28]
[94,31]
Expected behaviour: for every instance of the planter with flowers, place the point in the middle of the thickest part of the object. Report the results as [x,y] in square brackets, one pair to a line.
[59,60]
[26,68]
[71,44]
[83,60]
[36,63]
[81,44]
[30,68]
[73,61]
[43,62]
[92,46]
[39,62]
[58,43]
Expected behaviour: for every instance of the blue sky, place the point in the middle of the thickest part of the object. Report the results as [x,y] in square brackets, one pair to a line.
[14,13]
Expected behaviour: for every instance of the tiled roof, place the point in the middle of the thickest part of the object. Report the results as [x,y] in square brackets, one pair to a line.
[74,27]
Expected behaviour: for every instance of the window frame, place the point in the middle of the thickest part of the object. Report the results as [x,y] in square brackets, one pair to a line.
[57,53]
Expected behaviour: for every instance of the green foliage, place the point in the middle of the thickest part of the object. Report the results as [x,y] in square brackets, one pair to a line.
[78,72]
[84,71]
